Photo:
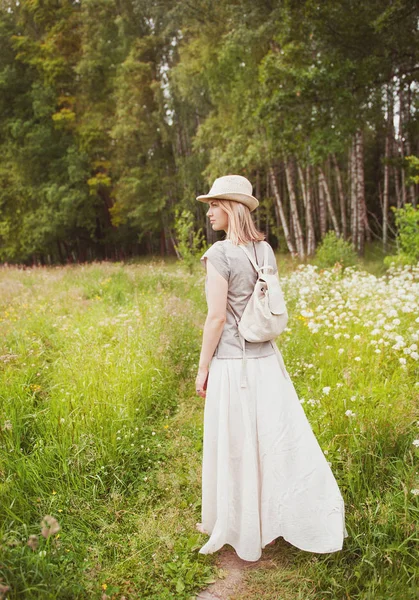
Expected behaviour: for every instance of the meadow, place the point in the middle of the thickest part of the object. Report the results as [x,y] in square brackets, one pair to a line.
[101,431]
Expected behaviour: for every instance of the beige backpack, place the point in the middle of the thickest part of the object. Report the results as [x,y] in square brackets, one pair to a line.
[265,315]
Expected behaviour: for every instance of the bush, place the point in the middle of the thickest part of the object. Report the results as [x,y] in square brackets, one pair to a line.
[407,223]
[334,250]
[191,244]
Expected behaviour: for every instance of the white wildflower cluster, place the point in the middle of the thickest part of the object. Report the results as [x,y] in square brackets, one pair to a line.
[359,318]
[379,309]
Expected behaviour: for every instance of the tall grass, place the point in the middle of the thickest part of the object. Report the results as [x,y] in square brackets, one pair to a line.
[101,430]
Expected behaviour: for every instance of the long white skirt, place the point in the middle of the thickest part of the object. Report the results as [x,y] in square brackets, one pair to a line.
[264,474]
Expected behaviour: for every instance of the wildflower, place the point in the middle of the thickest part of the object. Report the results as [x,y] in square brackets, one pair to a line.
[349,413]
[416,443]
[326,390]
[33,542]
[414,355]
[402,361]
[415,492]
[49,526]
[7,426]
[166,426]
[53,492]
[153,433]
[357,358]
[104,586]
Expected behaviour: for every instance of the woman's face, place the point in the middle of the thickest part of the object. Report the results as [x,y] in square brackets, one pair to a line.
[217,216]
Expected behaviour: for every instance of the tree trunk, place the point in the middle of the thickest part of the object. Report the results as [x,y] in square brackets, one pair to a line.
[411,189]
[386,188]
[400,141]
[303,185]
[360,191]
[342,200]
[280,206]
[298,232]
[311,239]
[329,204]
[353,196]
[322,211]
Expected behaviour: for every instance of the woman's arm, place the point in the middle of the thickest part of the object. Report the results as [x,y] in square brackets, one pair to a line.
[217,288]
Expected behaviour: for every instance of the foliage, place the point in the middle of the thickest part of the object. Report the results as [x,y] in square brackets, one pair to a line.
[407,222]
[112,114]
[413,168]
[190,243]
[334,249]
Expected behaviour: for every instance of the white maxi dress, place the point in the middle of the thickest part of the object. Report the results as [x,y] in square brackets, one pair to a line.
[264,474]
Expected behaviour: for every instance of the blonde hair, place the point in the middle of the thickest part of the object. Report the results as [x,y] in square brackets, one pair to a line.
[241,228]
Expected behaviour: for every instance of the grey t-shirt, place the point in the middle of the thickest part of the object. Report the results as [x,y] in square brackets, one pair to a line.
[233,264]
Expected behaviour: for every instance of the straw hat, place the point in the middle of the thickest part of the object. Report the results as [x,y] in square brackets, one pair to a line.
[232,187]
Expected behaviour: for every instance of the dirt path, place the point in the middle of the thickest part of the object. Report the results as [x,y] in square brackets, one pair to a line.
[234,569]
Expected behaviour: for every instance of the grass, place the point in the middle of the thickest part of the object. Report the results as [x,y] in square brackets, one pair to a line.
[101,429]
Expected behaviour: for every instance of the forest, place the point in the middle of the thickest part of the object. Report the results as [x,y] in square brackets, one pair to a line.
[115,115]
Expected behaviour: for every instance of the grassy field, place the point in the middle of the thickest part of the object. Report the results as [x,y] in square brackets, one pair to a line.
[100,430]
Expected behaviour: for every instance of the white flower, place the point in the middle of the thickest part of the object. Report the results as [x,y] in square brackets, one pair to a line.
[414,492]
[357,358]
[341,350]
[402,361]
[396,321]
[416,443]
[414,355]
[326,390]
[357,337]
[153,433]
[377,351]
[349,413]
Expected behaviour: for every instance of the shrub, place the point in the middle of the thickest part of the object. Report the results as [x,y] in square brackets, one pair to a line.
[334,250]
[407,223]
[191,243]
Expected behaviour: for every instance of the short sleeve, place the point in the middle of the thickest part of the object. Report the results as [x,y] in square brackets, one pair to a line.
[217,257]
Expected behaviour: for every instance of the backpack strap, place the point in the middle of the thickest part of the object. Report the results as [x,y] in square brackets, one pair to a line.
[265,265]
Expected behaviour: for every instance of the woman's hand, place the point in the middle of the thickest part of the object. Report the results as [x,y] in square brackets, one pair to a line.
[201,381]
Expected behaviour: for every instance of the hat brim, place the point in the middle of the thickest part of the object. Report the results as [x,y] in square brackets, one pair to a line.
[250,201]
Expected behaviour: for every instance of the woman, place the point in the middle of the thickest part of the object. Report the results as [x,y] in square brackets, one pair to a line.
[264,474]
